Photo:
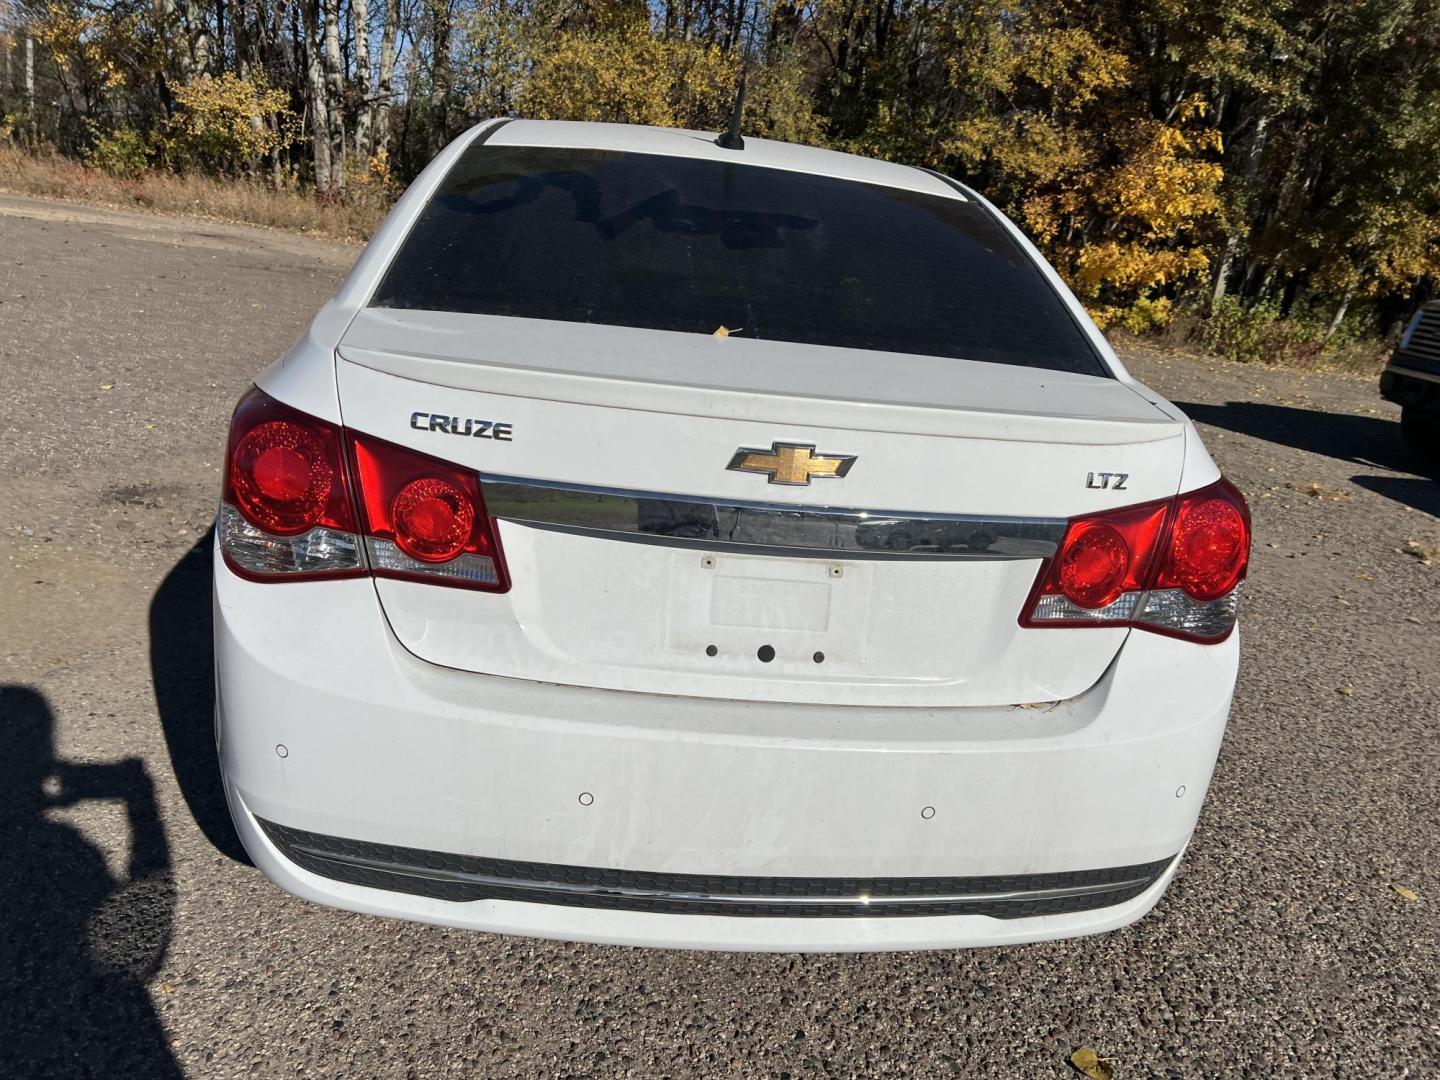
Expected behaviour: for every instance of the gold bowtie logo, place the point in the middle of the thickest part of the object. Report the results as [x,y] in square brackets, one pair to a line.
[791,463]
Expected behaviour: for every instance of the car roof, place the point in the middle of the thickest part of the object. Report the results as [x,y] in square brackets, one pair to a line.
[676,142]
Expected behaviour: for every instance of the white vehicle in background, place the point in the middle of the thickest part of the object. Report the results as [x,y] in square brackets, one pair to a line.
[755,548]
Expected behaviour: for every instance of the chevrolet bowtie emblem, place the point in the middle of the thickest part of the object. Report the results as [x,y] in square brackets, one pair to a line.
[791,463]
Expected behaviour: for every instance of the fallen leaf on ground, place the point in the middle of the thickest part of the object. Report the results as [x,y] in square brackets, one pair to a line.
[1317,490]
[1089,1063]
[725,331]
[1348,691]
[107,386]
[1407,894]
[1426,553]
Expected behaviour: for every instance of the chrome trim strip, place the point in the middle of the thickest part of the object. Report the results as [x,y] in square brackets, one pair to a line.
[772,528]
[860,899]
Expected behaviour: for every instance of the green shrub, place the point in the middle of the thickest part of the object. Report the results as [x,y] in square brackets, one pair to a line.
[122,152]
[1257,334]
[1145,315]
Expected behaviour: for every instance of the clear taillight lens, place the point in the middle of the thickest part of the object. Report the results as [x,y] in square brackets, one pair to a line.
[304,499]
[1174,567]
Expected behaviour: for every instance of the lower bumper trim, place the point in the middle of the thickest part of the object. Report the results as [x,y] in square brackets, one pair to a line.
[464,878]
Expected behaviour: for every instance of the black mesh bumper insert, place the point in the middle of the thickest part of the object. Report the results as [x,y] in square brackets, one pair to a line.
[467,877]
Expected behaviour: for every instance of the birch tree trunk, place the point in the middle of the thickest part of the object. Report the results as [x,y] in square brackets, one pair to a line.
[199,35]
[171,21]
[439,75]
[360,23]
[1227,263]
[319,115]
[1340,313]
[385,84]
[1236,230]
[335,94]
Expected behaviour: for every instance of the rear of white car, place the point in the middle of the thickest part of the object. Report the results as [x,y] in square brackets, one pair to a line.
[664,544]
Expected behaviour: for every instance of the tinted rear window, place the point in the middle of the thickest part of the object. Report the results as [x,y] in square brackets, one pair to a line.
[670,243]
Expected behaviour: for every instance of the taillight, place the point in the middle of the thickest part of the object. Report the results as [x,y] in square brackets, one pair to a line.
[1174,567]
[286,508]
[424,519]
[304,499]
[1209,546]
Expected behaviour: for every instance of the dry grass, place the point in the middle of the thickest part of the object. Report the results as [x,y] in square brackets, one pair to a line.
[241,201]
[1289,344]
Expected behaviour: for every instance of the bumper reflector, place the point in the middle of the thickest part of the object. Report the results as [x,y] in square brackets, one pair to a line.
[462,878]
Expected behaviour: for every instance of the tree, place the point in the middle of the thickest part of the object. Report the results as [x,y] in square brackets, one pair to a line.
[1164,153]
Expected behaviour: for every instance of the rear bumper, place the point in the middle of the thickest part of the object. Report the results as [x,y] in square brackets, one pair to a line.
[468,772]
[1413,381]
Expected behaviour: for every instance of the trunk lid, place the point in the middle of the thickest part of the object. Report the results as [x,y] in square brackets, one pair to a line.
[640,562]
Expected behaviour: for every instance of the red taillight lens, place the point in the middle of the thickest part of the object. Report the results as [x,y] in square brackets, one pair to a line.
[282,478]
[1102,560]
[1092,565]
[1172,567]
[424,518]
[433,519]
[285,470]
[285,512]
[1209,548]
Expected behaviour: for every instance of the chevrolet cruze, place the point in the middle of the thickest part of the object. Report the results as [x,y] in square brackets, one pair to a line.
[665,543]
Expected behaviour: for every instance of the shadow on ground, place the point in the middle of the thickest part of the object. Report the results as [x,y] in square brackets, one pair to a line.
[1363,440]
[182,665]
[1423,495]
[79,942]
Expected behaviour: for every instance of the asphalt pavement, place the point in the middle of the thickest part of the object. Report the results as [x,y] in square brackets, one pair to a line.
[1301,936]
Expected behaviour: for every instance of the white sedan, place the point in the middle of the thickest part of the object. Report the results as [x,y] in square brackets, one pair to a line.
[759,548]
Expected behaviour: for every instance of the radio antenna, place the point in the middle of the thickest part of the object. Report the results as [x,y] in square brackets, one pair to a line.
[730,139]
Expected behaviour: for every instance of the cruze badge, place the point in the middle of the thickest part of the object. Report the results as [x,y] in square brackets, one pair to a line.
[791,463]
[462,426]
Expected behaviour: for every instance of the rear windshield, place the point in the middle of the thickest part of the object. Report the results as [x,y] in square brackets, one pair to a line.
[672,243]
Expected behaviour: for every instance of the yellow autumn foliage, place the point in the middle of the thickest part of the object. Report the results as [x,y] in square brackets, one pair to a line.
[93,39]
[627,74]
[1121,233]
[226,123]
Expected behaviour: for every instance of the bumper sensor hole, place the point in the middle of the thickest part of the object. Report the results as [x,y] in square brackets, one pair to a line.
[765,653]
[711,650]
[819,658]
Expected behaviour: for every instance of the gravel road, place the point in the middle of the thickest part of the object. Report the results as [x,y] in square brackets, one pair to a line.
[136,941]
